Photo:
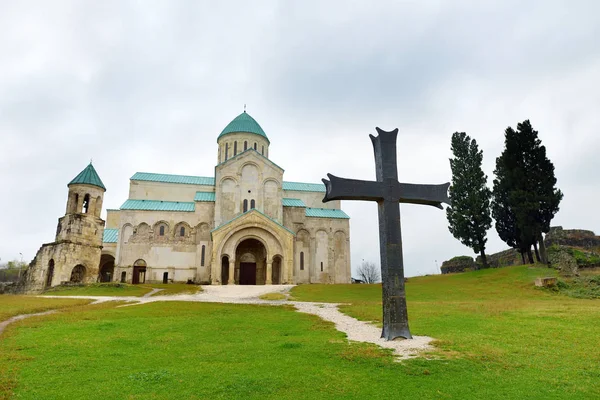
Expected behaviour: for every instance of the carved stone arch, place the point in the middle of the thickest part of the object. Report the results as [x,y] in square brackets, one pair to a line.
[270,178]
[246,163]
[224,178]
[161,230]
[187,230]
[244,232]
[141,233]
[126,233]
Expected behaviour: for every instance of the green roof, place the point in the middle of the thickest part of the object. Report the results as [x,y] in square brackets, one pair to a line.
[110,236]
[292,203]
[244,123]
[88,176]
[210,181]
[249,211]
[326,213]
[166,178]
[157,205]
[304,187]
[204,196]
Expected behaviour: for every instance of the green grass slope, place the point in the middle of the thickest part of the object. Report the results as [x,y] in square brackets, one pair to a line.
[498,338]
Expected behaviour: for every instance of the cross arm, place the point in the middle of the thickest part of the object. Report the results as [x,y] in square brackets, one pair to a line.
[351,189]
[430,195]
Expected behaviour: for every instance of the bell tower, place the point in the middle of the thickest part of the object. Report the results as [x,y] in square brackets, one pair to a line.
[74,256]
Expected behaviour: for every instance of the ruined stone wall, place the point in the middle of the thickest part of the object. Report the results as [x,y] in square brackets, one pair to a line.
[458,264]
[180,256]
[502,259]
[572,237]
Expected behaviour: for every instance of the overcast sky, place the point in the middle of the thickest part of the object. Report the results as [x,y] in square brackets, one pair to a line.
[149,85]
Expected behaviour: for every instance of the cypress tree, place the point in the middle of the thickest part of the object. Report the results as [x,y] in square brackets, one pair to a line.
[469,216]
[525,198]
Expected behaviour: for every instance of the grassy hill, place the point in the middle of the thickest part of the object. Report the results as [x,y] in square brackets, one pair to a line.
[498,337]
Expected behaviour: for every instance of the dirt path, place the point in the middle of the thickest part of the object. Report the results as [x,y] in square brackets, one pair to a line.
[149,294]
[355,330]
[9,321]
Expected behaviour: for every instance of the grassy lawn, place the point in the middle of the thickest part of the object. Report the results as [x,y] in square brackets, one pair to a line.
[123,289]
[14,305]
[497,319]
[498,338]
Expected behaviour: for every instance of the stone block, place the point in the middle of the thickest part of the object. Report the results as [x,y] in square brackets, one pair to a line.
[548,281]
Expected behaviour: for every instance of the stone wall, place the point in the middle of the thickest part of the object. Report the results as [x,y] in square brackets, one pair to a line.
[572,237]
[458,264]
[502,259]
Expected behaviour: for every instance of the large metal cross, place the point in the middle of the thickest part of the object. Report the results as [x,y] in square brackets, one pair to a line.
[388,192]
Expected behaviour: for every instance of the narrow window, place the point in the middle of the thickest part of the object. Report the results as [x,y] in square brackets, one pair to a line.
[161,230]
[263,151]
[252,204]
[202,255]
[182,231]
[245,145]
[245,205]
[226,151]
[76,203]
[301,261]
[254,145]
[86,203]
[235,148]
[321,266]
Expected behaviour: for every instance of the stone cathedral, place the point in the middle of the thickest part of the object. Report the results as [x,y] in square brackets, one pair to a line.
[244,225]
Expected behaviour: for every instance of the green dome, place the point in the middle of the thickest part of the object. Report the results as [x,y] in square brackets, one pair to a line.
[88,176]
[244,123]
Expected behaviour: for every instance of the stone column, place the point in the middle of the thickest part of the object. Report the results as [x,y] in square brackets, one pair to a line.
[269,277]
[231,280]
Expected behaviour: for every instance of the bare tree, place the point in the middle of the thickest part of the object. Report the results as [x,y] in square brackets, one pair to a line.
[368,272]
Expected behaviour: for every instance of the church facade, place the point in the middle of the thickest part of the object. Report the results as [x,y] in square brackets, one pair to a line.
[243,225]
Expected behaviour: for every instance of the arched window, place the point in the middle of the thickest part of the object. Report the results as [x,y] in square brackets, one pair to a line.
[245,205]
[182,231]
[245,145]
[202,256]
[86,203]
[263,151]
[252,204]
[235,148]
[161,230]
[254,145]
[301,261]
[226,151]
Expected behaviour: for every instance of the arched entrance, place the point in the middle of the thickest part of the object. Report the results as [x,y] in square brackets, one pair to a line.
[78,274]
[50,273]
[250,256]
[139,272]
[225,270]
[107,268]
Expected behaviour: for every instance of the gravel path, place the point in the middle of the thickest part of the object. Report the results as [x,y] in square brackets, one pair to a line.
[9,321]
[355,330]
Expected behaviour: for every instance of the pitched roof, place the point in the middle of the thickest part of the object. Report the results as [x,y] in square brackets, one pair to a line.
[292,202]
[167,178]
[244,123]
[110,236]
[204,196]
[325,213]
[157,205]
[304,187]
[88,176]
